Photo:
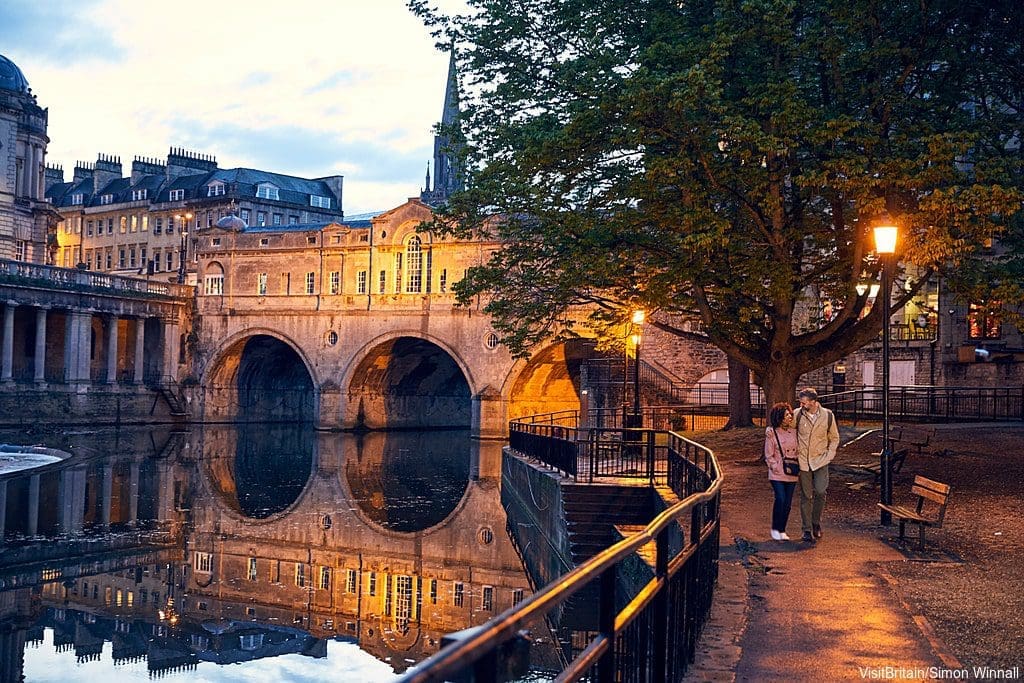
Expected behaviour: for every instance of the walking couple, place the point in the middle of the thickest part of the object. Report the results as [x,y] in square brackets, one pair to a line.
[809,436]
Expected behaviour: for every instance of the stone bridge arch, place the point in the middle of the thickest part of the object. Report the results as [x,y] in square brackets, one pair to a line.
[404,379]
[259,375]
[548,381]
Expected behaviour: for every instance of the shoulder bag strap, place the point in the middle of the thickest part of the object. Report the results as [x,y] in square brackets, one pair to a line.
[782,454]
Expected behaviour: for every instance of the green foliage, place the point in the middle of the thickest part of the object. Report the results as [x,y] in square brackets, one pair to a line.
[723,161]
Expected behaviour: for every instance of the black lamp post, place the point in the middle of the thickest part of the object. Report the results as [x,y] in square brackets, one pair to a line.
[183,220]
[636,418]
[885,244]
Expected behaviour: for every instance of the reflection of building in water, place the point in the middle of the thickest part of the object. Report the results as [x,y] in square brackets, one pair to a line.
[391,561]
[342,559]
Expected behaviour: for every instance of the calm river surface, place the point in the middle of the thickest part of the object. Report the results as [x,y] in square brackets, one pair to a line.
[255,553]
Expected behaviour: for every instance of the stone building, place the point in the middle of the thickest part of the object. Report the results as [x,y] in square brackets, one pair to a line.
[140,224]
[25,215]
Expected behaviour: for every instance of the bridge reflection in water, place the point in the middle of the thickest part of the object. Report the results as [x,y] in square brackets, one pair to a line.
[340,556]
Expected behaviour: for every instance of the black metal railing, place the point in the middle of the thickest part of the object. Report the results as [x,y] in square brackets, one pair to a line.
[653,635]
[930,404]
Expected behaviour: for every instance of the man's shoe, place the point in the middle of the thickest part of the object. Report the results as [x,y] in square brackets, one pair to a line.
[808,538]
[776,535]
[817,531]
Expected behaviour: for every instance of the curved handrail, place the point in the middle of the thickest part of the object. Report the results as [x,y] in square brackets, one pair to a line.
[501,628]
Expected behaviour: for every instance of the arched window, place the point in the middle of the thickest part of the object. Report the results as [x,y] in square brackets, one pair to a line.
[214,280]
[414,265]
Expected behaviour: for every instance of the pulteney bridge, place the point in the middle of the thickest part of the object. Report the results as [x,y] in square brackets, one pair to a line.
[355,325]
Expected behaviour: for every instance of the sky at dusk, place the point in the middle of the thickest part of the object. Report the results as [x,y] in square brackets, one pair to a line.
[301,87]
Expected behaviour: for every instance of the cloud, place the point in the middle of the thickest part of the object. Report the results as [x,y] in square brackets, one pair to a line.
[54,32]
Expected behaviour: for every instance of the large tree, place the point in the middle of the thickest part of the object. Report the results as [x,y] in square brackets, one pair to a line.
[721,163]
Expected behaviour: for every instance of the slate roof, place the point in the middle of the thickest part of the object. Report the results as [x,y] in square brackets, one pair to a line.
[361,220]
[296,227]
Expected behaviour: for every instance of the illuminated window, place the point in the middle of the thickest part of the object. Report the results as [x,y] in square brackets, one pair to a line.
[414,266]
[984,321]
[459,594]
[203,563]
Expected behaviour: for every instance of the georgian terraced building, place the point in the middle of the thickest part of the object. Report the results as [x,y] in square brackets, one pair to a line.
[145,223]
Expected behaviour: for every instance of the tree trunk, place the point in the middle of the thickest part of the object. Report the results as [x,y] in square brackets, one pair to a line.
[779,384]
[739,396]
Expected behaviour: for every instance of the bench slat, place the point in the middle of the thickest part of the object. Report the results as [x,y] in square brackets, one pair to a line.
[939,498]
[937,486]
[904,513]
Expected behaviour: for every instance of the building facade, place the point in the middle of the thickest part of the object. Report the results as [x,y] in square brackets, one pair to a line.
[145,223]
[25,215]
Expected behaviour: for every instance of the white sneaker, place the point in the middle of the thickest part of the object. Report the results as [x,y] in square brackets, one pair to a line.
[783,536]
[776,535]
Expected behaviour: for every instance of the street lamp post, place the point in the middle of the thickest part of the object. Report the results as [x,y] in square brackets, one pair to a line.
[183,220]
[636,418]
[885,244]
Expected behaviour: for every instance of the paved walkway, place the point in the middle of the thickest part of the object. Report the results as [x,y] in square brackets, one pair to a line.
[792,611]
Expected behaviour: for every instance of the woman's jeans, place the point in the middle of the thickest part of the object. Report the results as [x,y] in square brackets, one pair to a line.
[783,501]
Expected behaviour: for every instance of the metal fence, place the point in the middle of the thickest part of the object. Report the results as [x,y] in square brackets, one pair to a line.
[653,635]
[929,404]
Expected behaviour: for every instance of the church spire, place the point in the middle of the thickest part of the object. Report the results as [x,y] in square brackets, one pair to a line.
[447,173]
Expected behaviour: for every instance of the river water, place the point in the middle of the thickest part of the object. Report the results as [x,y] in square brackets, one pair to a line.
[259,552]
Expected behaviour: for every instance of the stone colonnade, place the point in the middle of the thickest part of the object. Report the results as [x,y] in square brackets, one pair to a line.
[45,344]
[85,495]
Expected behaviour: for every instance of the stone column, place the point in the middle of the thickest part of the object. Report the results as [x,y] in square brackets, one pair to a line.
[3,509]
[65,495]
[171,348]
[33,505]
[78,499]
[106,494]
[77,343]
[133,492]
[140,345]
[40,354]
[7,351]
[112,350]
[164,491]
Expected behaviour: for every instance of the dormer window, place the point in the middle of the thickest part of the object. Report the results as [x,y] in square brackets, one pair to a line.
[138,194]
[106,199]
[214,189]
[320,202]
[77,199]
[267,191]
[176,195]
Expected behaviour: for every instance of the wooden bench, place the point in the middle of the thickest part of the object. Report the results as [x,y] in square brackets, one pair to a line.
[924,489]
[899,457]
[912,436]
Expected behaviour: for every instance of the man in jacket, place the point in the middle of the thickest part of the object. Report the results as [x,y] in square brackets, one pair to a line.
[817,438]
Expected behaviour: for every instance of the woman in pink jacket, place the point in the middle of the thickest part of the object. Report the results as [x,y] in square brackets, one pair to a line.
[780,441]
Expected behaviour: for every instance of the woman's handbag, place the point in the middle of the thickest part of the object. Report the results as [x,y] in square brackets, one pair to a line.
[790,466]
